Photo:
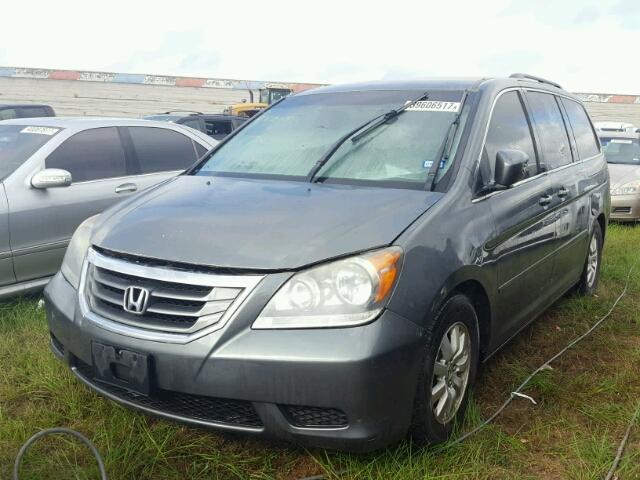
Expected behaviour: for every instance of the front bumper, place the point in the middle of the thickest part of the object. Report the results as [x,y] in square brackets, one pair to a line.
[347,389]
[625,208]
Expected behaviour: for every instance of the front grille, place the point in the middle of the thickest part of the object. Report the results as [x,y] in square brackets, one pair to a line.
[184,405]
[179,301]
[621,209]
[315,416]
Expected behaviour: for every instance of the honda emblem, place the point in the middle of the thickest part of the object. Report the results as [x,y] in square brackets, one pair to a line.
[136,300]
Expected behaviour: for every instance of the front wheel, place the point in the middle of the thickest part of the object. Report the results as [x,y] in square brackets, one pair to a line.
[448,372]
[591,272]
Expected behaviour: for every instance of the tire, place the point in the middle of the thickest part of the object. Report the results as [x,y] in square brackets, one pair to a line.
[588,283]
[427,427]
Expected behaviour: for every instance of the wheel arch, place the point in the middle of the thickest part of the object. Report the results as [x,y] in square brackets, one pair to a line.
[470,282]
[601,219]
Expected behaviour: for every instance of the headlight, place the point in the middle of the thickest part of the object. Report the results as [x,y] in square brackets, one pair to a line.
[630,188]
[343,293]
[76,251]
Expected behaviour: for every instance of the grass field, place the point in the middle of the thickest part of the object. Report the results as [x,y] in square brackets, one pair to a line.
[584,405]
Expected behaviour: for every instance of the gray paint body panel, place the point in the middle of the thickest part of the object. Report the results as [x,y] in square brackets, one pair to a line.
[258,224]
[7,275]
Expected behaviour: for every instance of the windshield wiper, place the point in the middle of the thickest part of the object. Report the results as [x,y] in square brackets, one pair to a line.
[379,120]
[442,154]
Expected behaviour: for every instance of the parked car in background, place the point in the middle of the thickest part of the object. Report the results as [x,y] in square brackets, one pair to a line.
[615,127]
[217,126]
[55,173]
[8,112]
[622,151]
[336,270]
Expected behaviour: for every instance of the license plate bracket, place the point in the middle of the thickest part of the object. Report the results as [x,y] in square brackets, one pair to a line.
[122,368]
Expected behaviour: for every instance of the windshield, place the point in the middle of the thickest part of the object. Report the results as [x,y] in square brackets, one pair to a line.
[290,138]
[621,150]
[18,143]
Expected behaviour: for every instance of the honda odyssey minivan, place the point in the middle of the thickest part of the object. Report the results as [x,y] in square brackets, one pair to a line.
[335,270]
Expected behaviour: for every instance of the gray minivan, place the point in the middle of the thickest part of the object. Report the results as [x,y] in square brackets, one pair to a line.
[335,270]
[57,172]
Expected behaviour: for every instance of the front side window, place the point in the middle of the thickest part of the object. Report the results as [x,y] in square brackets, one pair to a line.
[586,140]
[555,146]
[161,150]
[19,142]
[289,139]
[91,155]
[621,150]
[509,129]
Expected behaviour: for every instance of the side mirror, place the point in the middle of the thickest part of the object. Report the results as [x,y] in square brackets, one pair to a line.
[510,167]
[51,178]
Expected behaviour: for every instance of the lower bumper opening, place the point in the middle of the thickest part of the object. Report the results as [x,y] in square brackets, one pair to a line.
[185,405]
[621,210]
[314,417]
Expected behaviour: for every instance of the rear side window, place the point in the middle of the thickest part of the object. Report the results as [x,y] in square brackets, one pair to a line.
[30,112]
[582,130]
[8,114]
[91,155]
[509,129]
[192,122]
[161,150]
[218,129]
[555,146]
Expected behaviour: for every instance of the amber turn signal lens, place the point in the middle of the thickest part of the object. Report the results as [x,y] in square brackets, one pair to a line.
[386,264]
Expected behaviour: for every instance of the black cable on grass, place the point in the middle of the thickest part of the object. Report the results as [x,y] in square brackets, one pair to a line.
[545,366]
[623,444]
[54,431]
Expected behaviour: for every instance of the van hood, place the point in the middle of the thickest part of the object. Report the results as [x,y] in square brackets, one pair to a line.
[257,224]
[620,174]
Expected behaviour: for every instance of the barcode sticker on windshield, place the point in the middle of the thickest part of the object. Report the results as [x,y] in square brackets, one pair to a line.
[434,106]
[40,130]
[620,140]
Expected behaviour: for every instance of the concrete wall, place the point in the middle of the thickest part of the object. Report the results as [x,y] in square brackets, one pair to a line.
[82,93]
[614,112]
[85,93]
[74,98]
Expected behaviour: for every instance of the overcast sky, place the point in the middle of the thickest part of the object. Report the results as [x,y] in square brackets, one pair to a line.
[591,46]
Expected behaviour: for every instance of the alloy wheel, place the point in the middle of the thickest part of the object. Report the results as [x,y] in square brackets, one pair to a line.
[592,261]
[451,372]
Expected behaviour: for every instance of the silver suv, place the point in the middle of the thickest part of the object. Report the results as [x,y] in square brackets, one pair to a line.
[56,172]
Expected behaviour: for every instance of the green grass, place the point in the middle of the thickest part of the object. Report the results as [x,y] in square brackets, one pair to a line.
[584,404]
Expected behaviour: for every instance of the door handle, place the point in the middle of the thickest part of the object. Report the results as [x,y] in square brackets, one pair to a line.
[545,200]
[563,192]
[126,188]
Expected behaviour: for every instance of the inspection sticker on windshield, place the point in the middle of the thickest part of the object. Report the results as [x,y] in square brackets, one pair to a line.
[434,106]
[40,130]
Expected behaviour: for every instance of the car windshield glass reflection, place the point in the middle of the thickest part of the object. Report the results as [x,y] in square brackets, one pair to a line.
[289,139]
[18,143]
[621,150]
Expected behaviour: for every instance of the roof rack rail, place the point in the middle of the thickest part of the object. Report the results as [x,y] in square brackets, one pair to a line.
[525,76]
[190,112]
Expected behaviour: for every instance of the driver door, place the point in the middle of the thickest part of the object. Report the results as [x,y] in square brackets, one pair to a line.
[522,245]
[43,220]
